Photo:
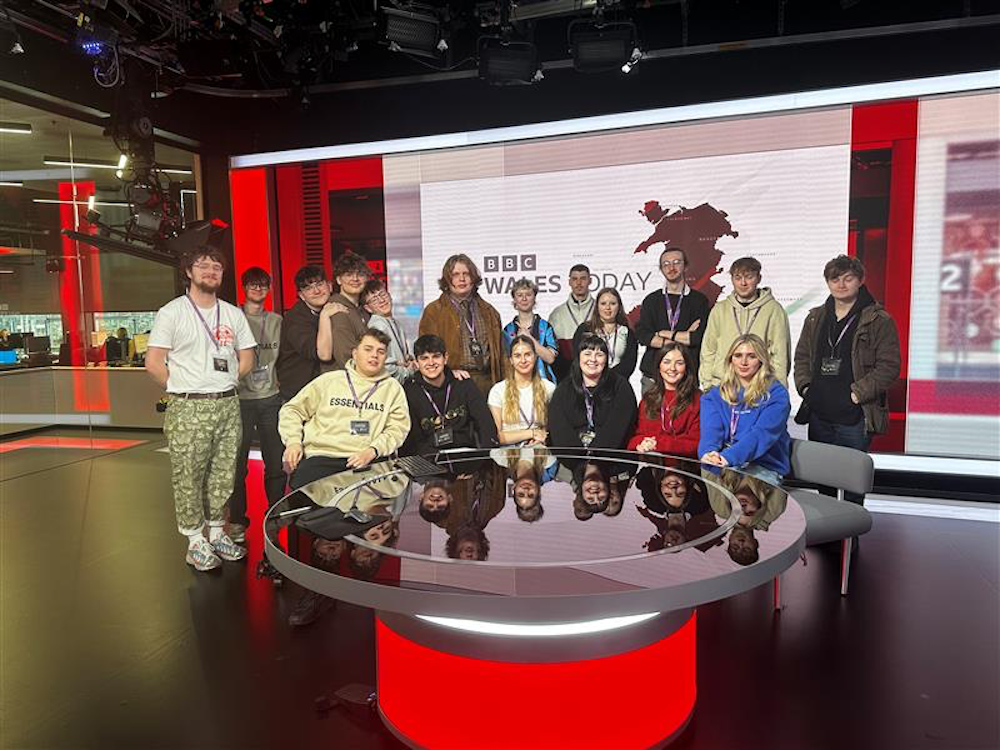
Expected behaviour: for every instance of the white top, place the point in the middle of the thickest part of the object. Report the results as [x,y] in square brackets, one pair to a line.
[568,316]
[617,344]
[527,403]
[192,355]
[399,347]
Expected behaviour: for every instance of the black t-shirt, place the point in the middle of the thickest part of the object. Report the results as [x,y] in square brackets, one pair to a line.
[830,394]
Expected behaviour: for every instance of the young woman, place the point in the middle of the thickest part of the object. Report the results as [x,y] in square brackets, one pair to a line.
[744,418]
[670,412]
[609,322]
[527,323]
[519,403]
[594,407]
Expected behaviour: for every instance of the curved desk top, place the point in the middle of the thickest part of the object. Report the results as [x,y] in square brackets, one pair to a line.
[537,535]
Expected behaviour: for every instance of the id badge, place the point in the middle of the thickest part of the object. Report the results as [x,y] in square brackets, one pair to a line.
[586,438]
[360,427]
[443,437]
[830,366]
[475,349]
[259,376]
[221,364]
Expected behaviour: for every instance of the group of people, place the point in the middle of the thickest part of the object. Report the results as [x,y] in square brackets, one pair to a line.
[336,384]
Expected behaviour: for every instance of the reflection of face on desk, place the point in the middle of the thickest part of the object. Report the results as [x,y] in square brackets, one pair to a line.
[382,493]
[743,546]
[674,489]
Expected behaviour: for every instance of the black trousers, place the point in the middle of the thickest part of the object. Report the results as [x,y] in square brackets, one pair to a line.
[316,467]
[260,420]
[847,435]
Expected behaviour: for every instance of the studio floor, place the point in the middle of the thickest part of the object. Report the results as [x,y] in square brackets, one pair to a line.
[109,640]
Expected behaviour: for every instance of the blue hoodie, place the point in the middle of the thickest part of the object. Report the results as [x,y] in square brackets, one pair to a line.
[761,432]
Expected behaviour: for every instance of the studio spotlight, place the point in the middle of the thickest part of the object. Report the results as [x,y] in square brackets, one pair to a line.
[597,48]
[415,33]
[503,63]
[632,61]
[21,128]
[94,40]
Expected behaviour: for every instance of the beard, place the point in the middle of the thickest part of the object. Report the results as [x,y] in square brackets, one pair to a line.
[207,287]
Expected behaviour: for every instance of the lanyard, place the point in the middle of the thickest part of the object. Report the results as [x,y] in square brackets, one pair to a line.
[211,336]
[734,422]
[829,333]
[665,422]
[569,309]
[753,320]
[673,316]
[612,347]
[262,343]
[529,422]
[400,339]
[447,396]
[470,319]
[588,402]
[354,393]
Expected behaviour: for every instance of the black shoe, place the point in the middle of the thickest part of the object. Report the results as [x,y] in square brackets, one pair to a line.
[266,570]
[309,608]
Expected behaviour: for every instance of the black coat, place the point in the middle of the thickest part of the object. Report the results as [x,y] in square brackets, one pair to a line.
[653,318]
[614,414]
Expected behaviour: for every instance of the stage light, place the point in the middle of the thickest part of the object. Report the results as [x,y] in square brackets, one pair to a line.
[64,161]
[632,61]
[503,63]
[415,33]
[93,39]
[122,161]
[21,128]
[11,183]
[598,48]
[537,630]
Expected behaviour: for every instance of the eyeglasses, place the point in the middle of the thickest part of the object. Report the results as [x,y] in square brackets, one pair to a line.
[217,267]
[670,263]
[382,296]
[316,286]
[258,285]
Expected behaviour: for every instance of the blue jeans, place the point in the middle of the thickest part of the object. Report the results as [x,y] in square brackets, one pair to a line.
[768,475]
[846,435]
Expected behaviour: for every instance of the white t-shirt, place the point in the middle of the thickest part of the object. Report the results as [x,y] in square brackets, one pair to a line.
[192,355]
[526,398]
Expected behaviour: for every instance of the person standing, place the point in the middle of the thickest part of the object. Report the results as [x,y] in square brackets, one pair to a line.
[259,403]
[468,324]
[377,301]
[609,322]
[675,313]
[567,317]
[846,359]
[299,352]
[199,348]
[336,342]
[750,308]
[530,324]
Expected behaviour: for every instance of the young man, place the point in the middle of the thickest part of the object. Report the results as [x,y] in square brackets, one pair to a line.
[675,313]
[846,360]
[377,301]
[199,348]
[750,308]
[568,316]
[469,325]
[444,412]
[336,342]
[344,419]
[299,352]
[259,403]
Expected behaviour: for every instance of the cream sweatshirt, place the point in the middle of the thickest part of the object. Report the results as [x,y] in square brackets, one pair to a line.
[320,415]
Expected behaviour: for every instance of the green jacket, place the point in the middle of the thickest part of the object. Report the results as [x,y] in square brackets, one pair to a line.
[875,361]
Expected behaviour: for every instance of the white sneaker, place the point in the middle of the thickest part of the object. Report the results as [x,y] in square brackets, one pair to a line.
[227,549]
[202,557]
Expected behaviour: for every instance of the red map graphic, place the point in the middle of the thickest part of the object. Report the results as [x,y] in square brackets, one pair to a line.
[696,231]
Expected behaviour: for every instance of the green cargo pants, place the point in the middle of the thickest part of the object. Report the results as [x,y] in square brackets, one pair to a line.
[203,437]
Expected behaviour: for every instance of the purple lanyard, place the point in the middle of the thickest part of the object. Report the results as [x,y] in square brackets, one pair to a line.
[664,423]
[673,316]
[354,393]
[614,346]
[447,397]
[208,330]
[833,344]
[529,422]
[588,402]
[569,309]
[752,321]
[734,422]
[470,319]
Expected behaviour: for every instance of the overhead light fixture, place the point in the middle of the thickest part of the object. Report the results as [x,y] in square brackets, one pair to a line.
[598,48]
[503,63]
[87,203]
[632,61]
[62,161]
[22,128]
[122,161]
[416,33]
[11,183]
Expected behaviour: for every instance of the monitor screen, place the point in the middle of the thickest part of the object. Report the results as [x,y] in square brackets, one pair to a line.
[97,338]
[37,344]
[16,341]
[141,341]
[8,357]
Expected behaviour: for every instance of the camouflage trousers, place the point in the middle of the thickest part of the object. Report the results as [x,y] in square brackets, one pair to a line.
[203,437]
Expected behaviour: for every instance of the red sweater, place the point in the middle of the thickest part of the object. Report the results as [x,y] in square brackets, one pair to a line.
[683,439]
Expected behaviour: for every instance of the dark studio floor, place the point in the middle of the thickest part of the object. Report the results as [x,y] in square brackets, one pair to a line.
[110,640]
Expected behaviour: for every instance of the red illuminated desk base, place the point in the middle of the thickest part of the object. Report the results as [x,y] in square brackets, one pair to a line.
[435,699]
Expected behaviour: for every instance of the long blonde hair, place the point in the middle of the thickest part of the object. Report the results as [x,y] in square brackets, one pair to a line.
[511,412]
[762,379]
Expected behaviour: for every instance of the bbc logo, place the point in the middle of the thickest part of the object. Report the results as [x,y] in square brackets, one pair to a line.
[508,263]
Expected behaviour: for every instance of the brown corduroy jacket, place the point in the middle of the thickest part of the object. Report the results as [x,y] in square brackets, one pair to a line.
[441,319]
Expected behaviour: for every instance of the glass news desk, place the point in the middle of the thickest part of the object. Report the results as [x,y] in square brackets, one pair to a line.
[525,588]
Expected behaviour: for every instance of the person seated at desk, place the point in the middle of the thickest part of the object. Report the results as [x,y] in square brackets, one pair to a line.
[519,402]
[118,348]
[670,412]
[744,419]
[345,419]
[594,407]
[445,412]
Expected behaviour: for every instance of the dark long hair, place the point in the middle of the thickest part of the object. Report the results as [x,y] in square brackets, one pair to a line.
[685,389]
[594,321]
[589,341]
